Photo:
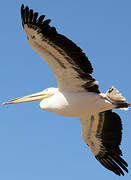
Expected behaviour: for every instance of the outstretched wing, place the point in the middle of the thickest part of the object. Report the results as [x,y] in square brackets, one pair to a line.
[70,65]
[103,133]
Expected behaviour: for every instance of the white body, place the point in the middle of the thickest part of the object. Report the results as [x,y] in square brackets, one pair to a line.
[73,104]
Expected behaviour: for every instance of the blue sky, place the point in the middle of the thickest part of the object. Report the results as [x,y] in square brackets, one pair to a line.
[38,145]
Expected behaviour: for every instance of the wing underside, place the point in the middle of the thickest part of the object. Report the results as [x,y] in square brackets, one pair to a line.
[70,65]
[103,133]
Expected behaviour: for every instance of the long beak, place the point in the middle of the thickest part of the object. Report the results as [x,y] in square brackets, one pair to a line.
[33,97]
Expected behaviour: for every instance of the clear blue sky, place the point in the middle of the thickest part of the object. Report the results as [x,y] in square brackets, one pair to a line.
[37,145]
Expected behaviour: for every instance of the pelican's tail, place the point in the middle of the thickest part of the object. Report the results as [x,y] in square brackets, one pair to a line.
[117,99]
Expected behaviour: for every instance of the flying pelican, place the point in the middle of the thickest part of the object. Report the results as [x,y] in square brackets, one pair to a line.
[78,93]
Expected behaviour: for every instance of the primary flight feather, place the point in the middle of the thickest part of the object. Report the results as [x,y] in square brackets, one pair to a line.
[78,93]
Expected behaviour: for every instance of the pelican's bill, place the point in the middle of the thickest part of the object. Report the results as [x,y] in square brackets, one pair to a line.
[33,97]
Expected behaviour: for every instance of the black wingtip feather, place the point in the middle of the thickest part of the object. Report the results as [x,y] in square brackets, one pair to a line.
[120,163]
[26,14]
[22,6]
[117,157]
[40,20]
[35,16]
[46,22]
[22,15]
[108,166]
[113,164]
[31,18]
[30,15]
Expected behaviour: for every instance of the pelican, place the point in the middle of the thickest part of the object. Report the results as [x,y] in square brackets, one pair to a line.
[78,93]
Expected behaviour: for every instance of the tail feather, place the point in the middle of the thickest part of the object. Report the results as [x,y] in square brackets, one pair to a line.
[116,97]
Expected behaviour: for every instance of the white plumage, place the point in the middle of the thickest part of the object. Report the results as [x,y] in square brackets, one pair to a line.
[78,94]
[74,104]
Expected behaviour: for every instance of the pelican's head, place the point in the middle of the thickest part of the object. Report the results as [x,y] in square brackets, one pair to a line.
[34,97]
